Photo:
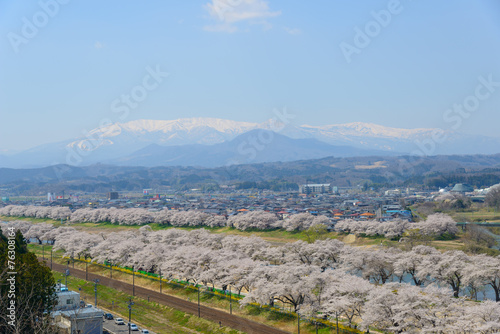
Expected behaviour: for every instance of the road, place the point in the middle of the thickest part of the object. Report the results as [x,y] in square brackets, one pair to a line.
[226,319]
[117,329]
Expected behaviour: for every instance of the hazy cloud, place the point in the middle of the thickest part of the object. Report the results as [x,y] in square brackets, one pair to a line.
[293,31]
[229,12]
[221,28]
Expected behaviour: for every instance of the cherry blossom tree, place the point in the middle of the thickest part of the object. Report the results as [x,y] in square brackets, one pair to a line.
[409,262]
[484,270]
[303,221]
[403,308]
[345,295]
[286,283]
[260,220]
[438,224]
[18,225]
[38,231]
[448,268]
[373,265]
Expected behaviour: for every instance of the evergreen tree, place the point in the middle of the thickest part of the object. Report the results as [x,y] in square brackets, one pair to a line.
[27,287]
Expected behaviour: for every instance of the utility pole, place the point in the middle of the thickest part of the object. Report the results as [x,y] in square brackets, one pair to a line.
[51,258]
[160,280]
[298,323]
[133,281]
[199,312]
[337,317]
[96,281]
[66,274]
[230,302]
[130,303]
[110,270]
[43,251]
[86,271]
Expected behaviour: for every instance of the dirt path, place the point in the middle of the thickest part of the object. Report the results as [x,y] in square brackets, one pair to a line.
[228,320]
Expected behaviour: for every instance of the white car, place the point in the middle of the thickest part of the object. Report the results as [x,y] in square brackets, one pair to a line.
[119,321]
[133,327]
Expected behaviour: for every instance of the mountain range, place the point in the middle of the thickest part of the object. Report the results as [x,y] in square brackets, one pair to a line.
[388,171]
[212,142]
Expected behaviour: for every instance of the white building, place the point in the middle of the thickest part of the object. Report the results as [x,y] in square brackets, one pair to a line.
[393,192]
[71,316]
[81,320]
[324,188]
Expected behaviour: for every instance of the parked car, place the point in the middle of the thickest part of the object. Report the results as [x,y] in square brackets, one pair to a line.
[119,321]
[133,327]
[108,316]
[144,331]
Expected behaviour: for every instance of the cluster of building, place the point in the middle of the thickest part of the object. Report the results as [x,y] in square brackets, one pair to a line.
[317,199]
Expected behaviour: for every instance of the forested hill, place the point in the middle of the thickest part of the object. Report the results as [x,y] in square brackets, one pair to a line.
[438,171]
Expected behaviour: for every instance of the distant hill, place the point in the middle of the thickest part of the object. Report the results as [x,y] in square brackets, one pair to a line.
[255,146]
[438,171]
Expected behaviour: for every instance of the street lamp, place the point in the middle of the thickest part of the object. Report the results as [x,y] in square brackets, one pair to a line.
[130,303]
[96,281]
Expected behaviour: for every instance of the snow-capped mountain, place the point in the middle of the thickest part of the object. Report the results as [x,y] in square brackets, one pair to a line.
[208,131]
[120,140]
[182,131]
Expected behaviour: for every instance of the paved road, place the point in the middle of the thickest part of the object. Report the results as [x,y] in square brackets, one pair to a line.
[117,329]
[238,323]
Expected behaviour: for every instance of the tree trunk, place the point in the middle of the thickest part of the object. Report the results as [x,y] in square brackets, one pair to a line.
[497,291]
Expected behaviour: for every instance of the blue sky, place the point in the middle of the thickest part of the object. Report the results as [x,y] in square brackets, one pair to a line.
[240,59]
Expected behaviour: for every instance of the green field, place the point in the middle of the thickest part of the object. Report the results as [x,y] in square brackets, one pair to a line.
[476,213]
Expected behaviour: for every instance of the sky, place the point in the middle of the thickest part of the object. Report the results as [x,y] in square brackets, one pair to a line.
[69,66]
